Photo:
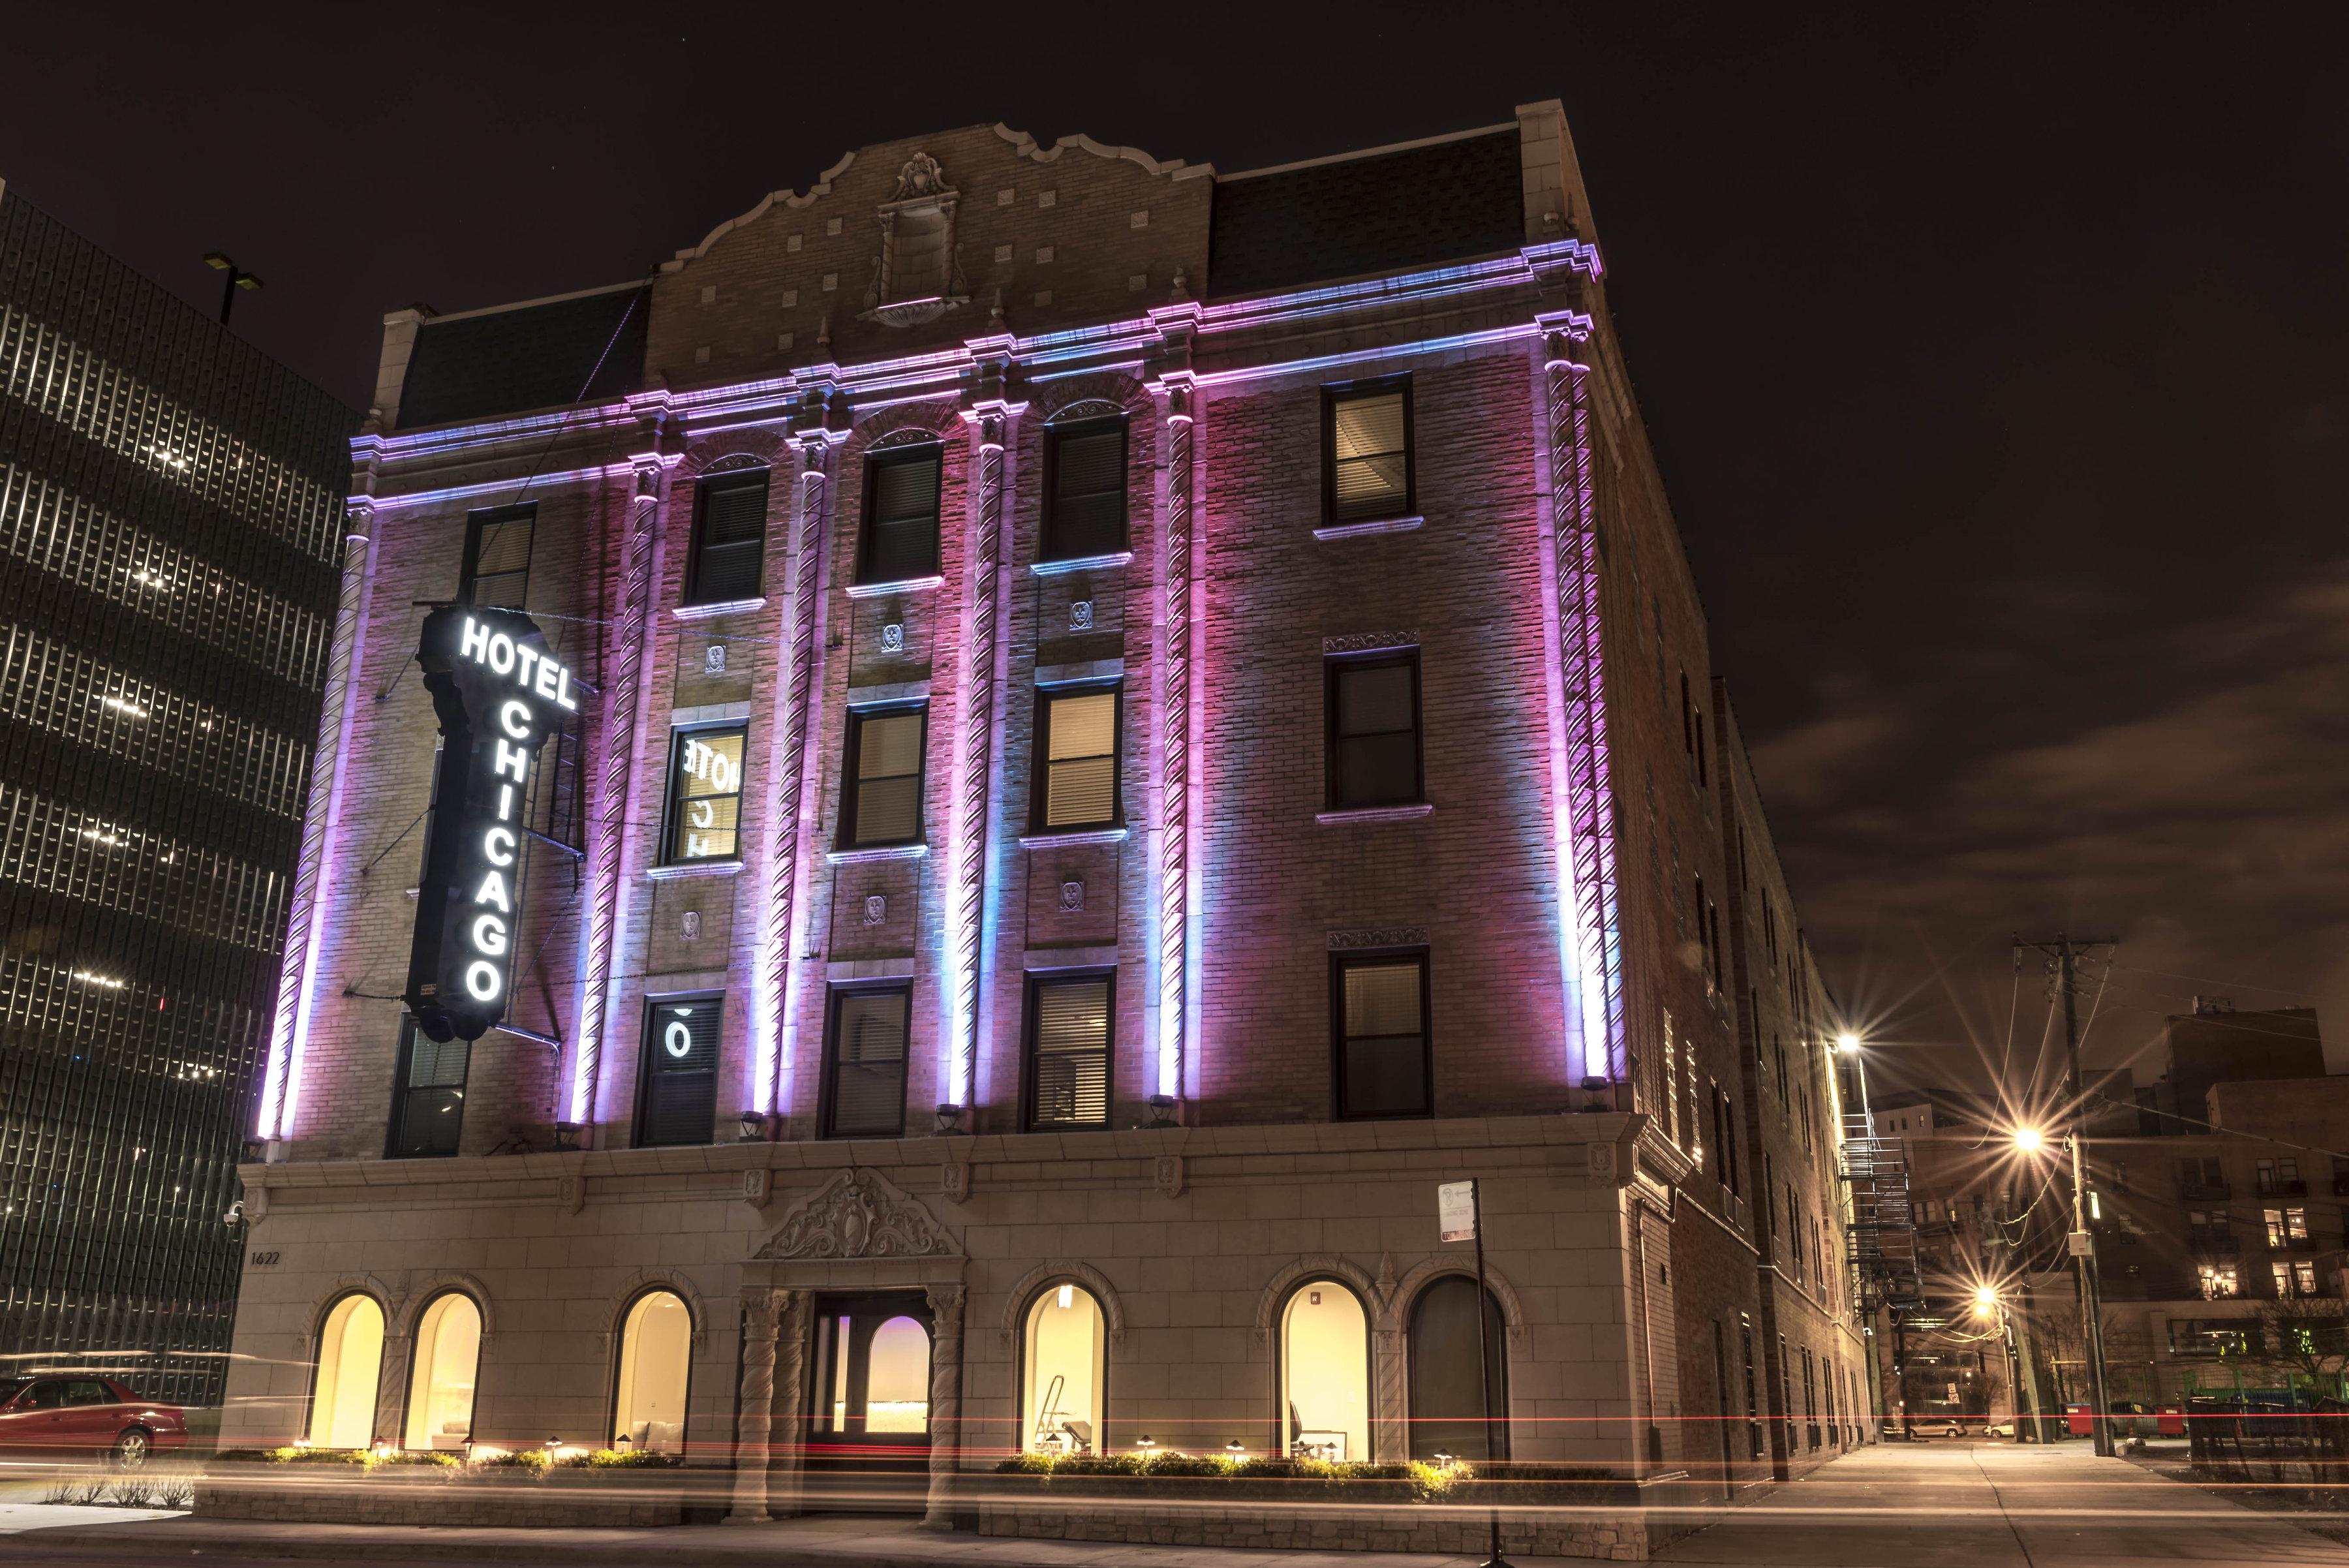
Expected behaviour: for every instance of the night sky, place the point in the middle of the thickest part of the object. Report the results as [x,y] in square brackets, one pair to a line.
[1995,360]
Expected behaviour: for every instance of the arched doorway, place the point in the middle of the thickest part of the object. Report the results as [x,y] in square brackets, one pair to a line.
[655,1361]
[1065,1372]
[350,1366]
[869,1401]
[448,1361]
[1325,1373]
[1447,1409]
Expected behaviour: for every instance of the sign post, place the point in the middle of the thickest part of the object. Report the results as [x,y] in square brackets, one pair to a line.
[1460,1217]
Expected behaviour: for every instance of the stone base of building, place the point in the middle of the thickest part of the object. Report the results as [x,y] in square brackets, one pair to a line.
[1615,1537]
[559,1501]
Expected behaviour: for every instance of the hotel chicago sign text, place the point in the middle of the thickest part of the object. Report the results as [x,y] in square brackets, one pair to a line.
[499,694]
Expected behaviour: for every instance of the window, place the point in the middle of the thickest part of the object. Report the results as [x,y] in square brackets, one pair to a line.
[448,1359]
[865,1070]
[729,537]
[678,1101]
[1060,1410]
[497,557]
[1373,741]
[2282,1275]
[705,795]
[901,515]
[1068,1052]
[428,1106]
[2219,1282]
[1325,1373]
[1079,786]
[882,803]
[350,1364]
[2295,1225]
[1367,467]
[656,1359]
[2264,1176]
[2303,1279]
[1447,1406]
[1084,506]
[2274,1218]
[1381,1007]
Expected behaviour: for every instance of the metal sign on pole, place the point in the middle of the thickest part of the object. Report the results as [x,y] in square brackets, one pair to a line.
[1460,1217]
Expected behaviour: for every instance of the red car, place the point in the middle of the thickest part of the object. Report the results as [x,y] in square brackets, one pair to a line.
[67,1414]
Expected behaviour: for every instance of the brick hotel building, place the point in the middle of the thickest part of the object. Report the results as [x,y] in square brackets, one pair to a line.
[1137,719]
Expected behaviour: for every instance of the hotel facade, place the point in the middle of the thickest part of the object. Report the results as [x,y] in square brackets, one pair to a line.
[1126,723]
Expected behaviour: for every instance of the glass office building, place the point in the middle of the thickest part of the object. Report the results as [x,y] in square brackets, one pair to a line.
[171,520]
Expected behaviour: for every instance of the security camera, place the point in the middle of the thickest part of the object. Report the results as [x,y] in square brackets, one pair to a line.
[235,1215]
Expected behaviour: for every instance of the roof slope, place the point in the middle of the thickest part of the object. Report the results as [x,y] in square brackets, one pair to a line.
[1346,217]
[495,362]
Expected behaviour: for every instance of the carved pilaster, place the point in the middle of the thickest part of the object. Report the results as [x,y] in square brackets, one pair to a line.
[788,1431]
[760,1312]
[1174,749]
[794,721]
[1388,1445]
[608,834]
[967,893]
[1589,803]
[946,1403]
[280,1080]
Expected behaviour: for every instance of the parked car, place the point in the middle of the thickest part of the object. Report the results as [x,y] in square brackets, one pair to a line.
[1943,1427]
[1999,1430]
[54,1415]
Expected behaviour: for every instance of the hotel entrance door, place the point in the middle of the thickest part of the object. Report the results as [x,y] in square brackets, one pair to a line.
[869,1402]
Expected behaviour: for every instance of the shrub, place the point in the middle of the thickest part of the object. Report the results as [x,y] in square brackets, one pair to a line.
[434,1459]
[619,1459]
[535,1460]
[359,1456]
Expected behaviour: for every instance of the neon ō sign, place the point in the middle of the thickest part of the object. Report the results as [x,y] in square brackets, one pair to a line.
[499,694]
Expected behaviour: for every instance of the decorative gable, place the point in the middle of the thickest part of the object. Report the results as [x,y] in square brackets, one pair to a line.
[858,1214]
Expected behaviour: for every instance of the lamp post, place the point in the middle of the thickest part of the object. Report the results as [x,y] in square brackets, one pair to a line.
[2082,1247]
[1847,1044]
[237,278]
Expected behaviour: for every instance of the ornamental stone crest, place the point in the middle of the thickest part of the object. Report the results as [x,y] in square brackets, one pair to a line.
[1383,936]
[918,277]
[858,1214]
[1370,641]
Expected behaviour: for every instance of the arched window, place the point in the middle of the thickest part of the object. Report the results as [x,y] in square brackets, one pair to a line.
[1447,1411]
[655,1354]
[447,1358]
[1061,1410]
[350,1361]
[897,1379]
[1325,1373]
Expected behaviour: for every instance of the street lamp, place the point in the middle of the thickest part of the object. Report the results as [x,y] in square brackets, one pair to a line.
[1847,1044]
[2081,1244]
[1985,1301]
[237,279]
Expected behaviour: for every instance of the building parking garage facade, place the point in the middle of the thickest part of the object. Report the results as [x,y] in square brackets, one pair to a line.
[1129,723]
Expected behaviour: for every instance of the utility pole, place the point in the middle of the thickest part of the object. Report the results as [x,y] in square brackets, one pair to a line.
[2063,959]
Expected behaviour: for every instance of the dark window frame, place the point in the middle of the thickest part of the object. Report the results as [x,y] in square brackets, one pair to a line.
[868,534]
[1334,667]
[469,568]
[1039,790]
[852,753]
[1355,391]
[1047,546]
[1340,963]
[1031,1059]
[673,799]
[645,1064]
[697,560]
[402,1062]
[827,1094]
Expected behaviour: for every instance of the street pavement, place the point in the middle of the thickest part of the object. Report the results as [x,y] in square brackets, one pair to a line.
[1996,1505]
[1922,1505]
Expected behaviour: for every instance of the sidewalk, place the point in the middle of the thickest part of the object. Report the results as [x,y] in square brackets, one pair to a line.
[1944,1505]
[825,1542]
